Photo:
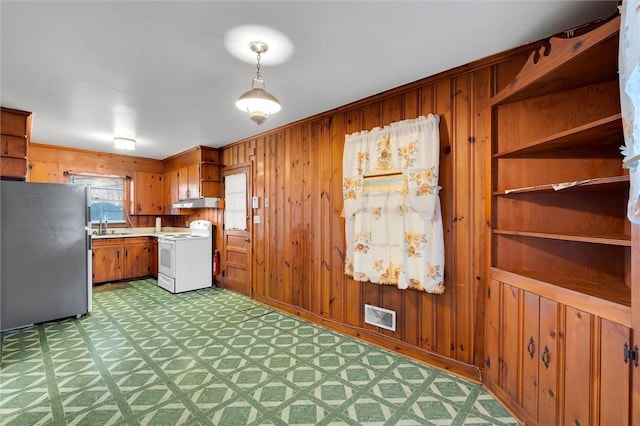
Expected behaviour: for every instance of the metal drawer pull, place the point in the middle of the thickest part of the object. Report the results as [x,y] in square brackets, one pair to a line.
[545,356]
[530,347]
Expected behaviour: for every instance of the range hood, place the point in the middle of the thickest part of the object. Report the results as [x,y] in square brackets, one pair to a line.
[198,203]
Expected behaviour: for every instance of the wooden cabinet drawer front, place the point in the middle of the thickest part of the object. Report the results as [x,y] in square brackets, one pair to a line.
[14,124]
[13,146]
[136,240]
[13,167]
[102,242]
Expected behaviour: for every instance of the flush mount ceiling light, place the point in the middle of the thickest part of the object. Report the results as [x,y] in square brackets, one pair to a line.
[258,102]
[124,143]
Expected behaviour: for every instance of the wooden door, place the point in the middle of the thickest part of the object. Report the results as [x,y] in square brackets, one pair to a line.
[236,247]
[106,265]
[147,193]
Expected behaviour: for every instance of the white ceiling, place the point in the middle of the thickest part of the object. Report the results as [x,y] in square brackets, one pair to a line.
[160,70]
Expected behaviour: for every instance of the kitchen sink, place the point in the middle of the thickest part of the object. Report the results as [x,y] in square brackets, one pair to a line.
[109,234]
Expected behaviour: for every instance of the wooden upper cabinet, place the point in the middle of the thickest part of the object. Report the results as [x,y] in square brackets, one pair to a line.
[14,140]
[189,182]
[192,174]
[147,194]
[44,172]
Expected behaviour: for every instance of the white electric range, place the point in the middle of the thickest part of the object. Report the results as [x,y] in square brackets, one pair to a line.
[185,260]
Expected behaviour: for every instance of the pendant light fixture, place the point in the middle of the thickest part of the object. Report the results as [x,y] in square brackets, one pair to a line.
[258,102]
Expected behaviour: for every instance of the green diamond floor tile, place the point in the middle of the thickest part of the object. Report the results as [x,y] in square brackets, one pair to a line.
[170,414]
[35,416]
[212,395]
[273,394]
[302,412]
[334,393]
[77,401]
[107,414]
[237,412]
[211,357]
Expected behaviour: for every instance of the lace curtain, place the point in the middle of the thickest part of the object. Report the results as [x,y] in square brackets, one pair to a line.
[393,224]
[629,64]
[235,201]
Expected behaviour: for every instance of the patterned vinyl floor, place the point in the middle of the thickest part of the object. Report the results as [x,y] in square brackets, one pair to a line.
[212,357]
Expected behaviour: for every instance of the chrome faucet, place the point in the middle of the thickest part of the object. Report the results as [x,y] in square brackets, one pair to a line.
[104,223]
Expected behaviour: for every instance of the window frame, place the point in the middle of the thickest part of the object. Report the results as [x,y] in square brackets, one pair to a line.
[86,179]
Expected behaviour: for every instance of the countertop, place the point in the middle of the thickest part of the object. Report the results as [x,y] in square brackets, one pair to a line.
[138,232]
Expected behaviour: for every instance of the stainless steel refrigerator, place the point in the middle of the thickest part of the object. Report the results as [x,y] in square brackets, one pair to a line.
[45,252]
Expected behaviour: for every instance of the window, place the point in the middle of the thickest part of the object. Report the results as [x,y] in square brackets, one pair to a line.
[107,197]
[235,201]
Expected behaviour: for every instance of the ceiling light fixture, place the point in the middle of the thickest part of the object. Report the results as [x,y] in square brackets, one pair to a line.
[124,143]
[258,102]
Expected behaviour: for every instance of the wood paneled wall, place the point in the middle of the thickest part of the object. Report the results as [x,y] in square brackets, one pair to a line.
[298,249]
[54,161]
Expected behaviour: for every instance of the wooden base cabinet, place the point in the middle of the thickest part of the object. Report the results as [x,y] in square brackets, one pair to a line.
[116,259]
[107,263]
[553,364]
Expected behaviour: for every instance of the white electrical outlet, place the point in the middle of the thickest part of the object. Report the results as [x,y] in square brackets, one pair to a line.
[256,219]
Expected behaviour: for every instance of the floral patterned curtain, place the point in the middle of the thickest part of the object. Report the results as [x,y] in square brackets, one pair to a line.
[392,214]
[629,65]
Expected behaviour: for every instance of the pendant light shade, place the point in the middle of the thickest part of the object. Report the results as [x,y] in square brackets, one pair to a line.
[258,102]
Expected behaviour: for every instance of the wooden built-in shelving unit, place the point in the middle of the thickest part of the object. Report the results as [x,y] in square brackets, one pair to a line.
[561,245]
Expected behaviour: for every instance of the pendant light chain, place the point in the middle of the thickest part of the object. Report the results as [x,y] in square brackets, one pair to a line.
[258,66]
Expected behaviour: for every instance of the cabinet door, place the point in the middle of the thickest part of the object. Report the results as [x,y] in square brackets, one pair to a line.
[15,168]
[539,358]
[492,332]
[194,181]
[530,341]
[106,263]
[615,384]
[13,122]
[577,367]
[183,183]
[147,193]
[40,171]
[153,255]
[13,146]
[137,261]
[509,347]
[547,356]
